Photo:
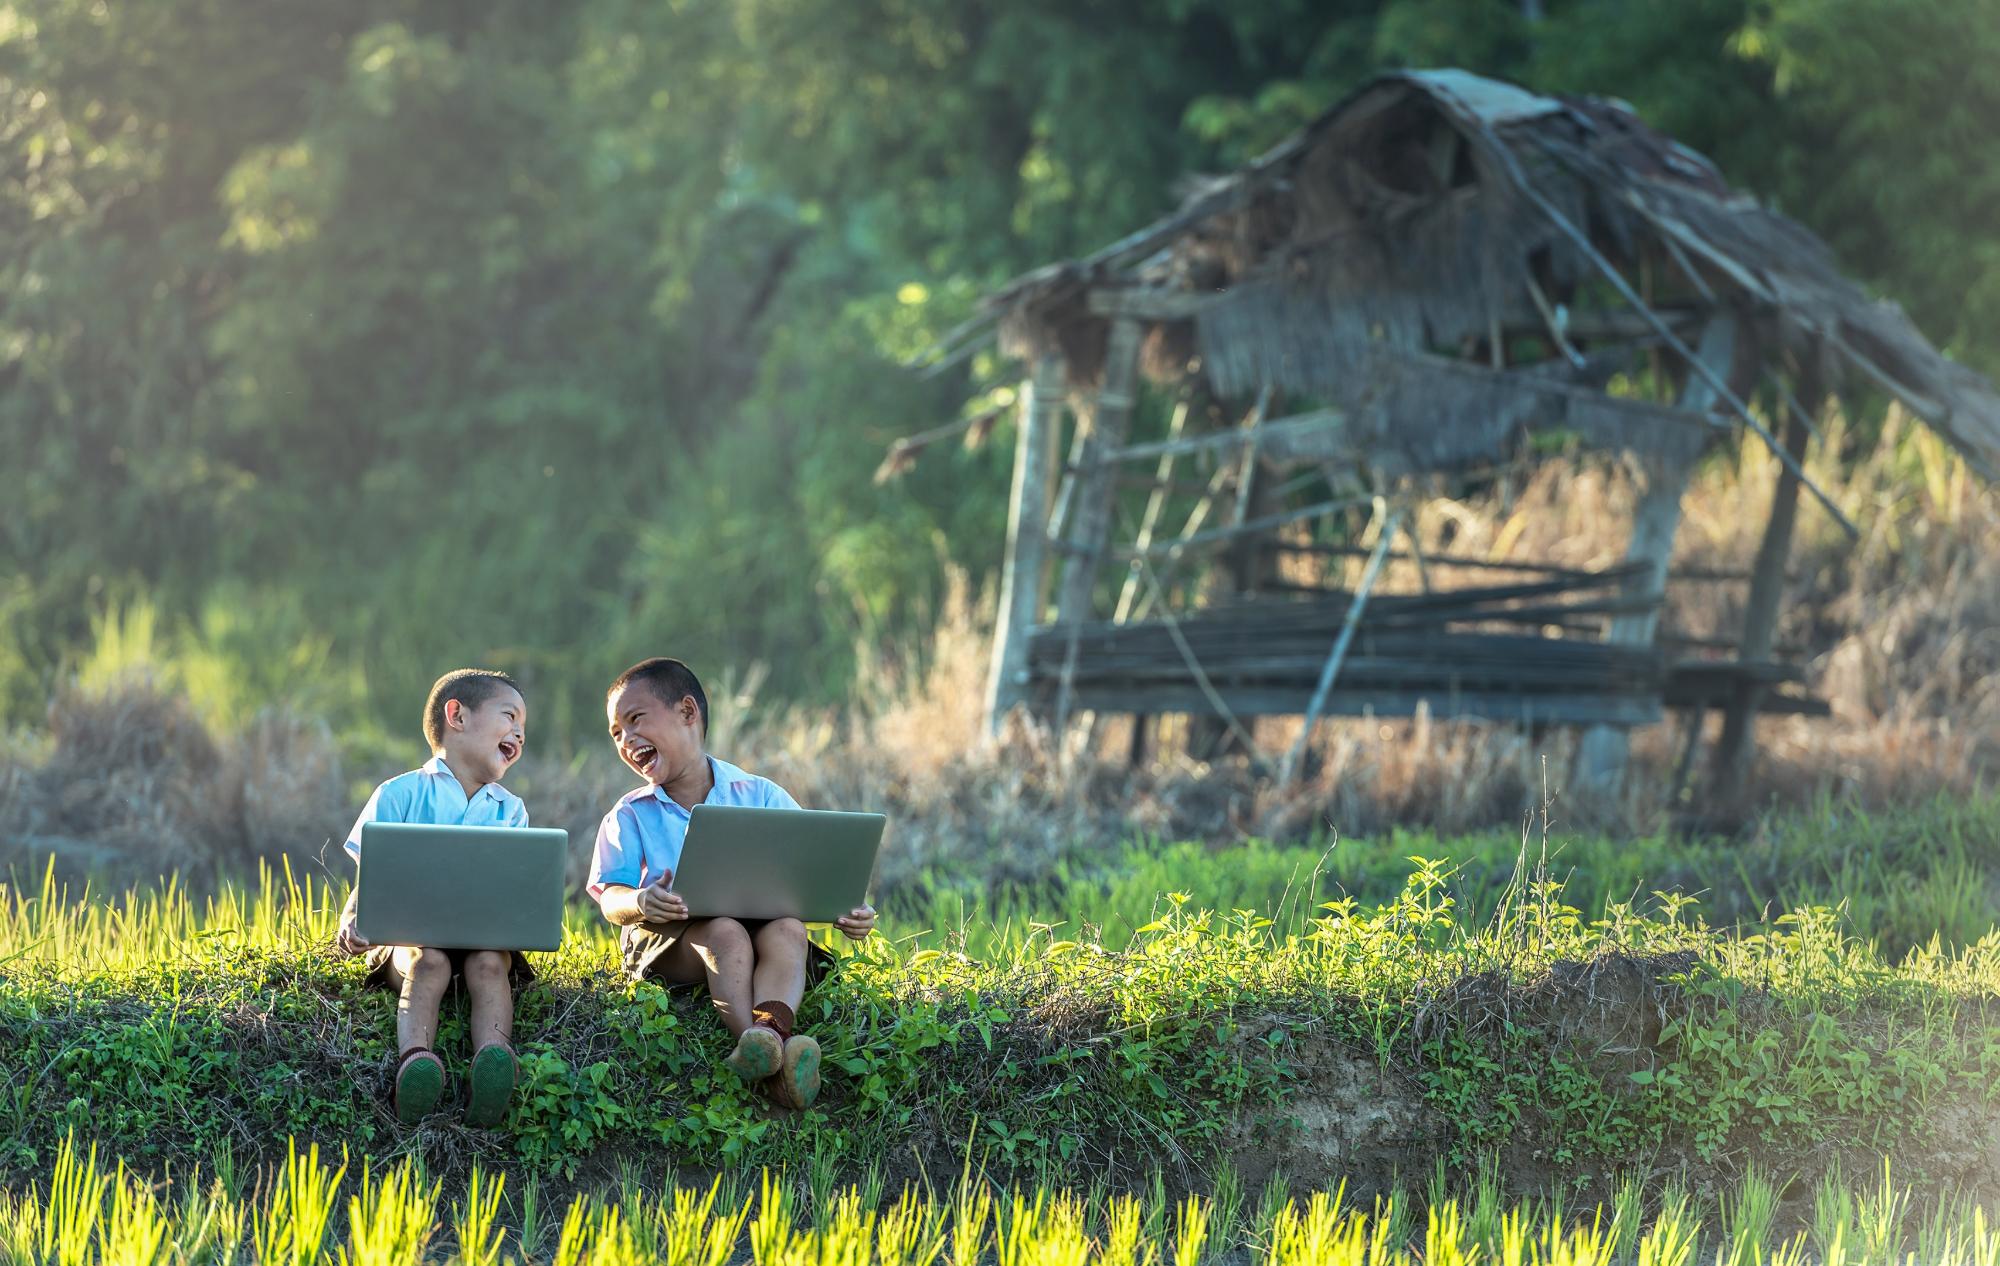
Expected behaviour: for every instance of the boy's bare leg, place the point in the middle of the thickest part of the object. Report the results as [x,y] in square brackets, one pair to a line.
[421,976]
[723,948]
[492,995]
[780,974]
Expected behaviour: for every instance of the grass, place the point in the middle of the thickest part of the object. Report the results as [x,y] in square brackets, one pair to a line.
[1898,878]
[1598,1072]
[169,1028]
[396,1216]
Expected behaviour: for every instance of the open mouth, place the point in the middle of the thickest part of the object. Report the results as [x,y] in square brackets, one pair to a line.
[510,751]
[643,758]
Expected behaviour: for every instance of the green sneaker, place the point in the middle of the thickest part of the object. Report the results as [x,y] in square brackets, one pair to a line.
[419,1082]
[757,1055]
[492,1079]
[798,1076]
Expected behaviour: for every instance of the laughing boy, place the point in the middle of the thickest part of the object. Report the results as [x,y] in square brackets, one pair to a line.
[756,970]
[476,722]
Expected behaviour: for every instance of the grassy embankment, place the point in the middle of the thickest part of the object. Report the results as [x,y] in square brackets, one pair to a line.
[1578,1038]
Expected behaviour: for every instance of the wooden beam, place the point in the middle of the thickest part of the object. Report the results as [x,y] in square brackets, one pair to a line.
[1602,754]
[1235,437]
[1196,517]
[1181,545]
[1027,543]
[1146,303]
[1446,560]
[1717,382]
[1217,704]
[1156,501]
[1090,515]
[1339,651]
[1254,701]
[1760,618]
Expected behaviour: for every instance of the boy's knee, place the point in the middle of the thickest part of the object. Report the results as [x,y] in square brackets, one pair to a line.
[779,933]
[722,935]
[427,966]
[485,968]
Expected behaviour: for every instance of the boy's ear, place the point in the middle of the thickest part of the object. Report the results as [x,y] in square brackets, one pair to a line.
[454,714]
[690,710]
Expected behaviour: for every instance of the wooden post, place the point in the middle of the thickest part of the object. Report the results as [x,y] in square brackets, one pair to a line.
[1760,620]
[1331,670]
[1156,501]
[1244,567]
[1092,495]
[1602,754]
[1027,539]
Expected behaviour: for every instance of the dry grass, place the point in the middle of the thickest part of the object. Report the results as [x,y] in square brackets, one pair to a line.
[127,782]
[1901,633]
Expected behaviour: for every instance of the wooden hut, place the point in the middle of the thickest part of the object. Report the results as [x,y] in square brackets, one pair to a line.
[1441,275]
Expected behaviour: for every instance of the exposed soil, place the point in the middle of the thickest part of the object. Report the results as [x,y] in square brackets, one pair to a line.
[1351,1119]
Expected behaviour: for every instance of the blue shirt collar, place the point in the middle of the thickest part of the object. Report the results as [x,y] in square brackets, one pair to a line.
[436,766]
[717,772]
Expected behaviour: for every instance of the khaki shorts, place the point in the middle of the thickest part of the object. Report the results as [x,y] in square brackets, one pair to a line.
[643,945]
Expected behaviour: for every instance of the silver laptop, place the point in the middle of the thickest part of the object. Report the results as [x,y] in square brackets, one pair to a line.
[810,864]
[461,887]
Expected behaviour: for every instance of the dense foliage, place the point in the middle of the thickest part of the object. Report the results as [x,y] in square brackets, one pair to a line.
[351,342]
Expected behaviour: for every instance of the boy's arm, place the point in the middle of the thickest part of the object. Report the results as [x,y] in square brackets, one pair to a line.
[626,905]
[616,868]
[381,807]
[348,937]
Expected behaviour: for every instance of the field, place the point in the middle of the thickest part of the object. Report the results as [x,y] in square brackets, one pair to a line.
[1406,1049]
[1123,1012]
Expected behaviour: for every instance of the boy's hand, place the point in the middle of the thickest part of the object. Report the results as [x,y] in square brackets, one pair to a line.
[349,938]
[660,905]
[857,923]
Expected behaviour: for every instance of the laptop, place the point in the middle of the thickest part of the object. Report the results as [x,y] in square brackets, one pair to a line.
[461,887]
[807,864]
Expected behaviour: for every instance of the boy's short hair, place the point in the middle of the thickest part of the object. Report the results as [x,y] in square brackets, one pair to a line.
[668,678]
[471,687]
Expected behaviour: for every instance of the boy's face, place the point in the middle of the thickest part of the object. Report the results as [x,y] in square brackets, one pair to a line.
[484,742]
[657,740]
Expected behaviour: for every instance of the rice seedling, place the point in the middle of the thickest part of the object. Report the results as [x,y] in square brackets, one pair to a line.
[1124,1243]
[533,1231]
[392,1215]
[475,1223]
[135,1231]
[1746,1217]
[1191,1231]
[696,1229]
[390,1218]
[67,1223]
[293,1227]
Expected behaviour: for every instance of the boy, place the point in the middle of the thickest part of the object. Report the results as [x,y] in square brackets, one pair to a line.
[756,970]
[476,722]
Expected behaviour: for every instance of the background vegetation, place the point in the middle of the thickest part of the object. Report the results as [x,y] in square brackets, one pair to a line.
[342,344]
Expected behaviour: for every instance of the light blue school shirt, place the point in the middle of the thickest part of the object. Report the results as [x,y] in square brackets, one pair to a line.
[641,838]
[432,795]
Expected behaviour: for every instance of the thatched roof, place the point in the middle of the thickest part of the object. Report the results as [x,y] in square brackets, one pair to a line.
[1370,258]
